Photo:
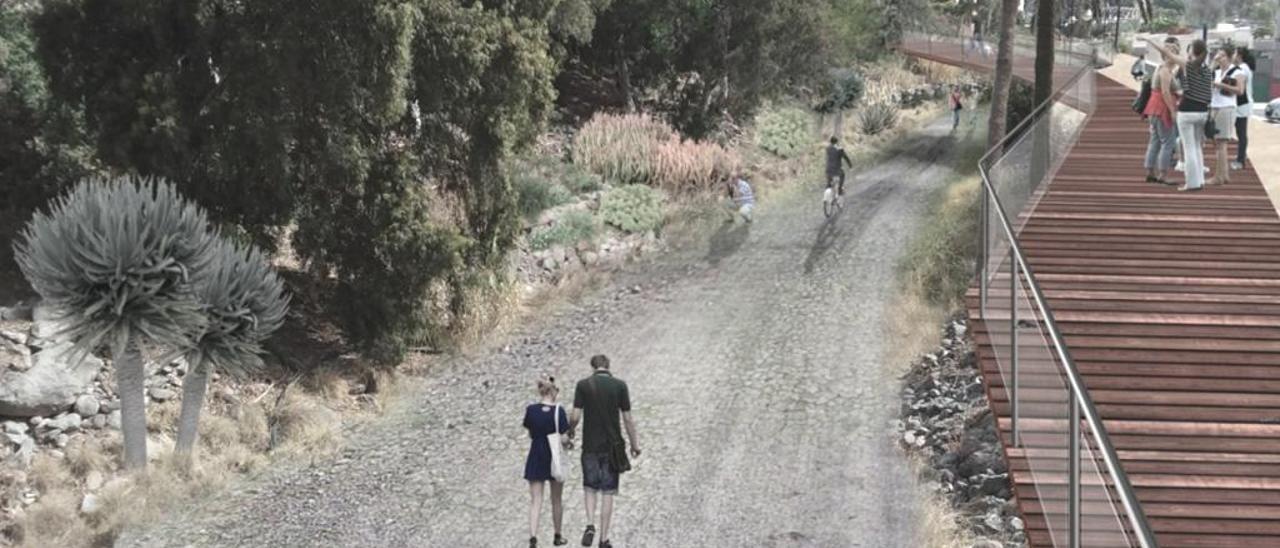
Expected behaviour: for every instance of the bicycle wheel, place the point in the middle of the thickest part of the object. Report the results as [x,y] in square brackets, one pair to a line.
[828,202]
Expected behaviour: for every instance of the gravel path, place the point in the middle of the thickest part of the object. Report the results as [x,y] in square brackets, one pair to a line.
[763,409]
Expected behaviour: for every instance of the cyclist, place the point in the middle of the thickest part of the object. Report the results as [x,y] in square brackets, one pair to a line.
[836,160]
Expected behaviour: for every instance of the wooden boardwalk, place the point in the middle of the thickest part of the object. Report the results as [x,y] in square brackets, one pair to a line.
[1170,305]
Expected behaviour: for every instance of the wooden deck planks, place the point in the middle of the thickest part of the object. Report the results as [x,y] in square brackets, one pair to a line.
[1170,305]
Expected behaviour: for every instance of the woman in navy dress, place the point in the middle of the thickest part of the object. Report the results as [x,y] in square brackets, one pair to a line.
[540,419]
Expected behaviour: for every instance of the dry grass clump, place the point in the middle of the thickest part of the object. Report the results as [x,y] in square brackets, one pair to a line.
[638,149]
[234,439]
[620,147]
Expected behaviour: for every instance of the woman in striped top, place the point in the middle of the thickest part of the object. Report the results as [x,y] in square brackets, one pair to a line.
[1193,110]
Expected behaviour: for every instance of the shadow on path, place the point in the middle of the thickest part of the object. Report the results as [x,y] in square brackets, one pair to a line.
[727,240]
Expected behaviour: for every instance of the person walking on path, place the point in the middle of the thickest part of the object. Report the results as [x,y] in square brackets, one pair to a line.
[1193,110]
[542,419]
[1161,111]
[836,160]
[600,402]
[957,105]
[1222,110]
[978,42]
[1244,104]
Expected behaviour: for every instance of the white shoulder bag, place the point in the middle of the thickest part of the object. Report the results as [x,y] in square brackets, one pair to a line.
[559,465]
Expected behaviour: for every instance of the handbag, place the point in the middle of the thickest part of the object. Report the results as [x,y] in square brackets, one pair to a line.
[559,464]
[1210,129]
[1144,97]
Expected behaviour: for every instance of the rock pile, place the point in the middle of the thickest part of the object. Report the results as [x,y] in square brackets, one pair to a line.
[49,394]
[946,420]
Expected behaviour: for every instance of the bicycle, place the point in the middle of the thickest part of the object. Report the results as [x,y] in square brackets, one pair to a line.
[831,199]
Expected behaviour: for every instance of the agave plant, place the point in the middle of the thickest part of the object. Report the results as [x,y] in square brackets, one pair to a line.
[114,260]
[245,303]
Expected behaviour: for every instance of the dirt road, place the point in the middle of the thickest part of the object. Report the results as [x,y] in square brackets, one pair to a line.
[764,409]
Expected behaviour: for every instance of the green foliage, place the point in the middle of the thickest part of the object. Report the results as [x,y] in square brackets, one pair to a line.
[842,89]
[537,194]
[572,228]
[1022,102]
[699,62]
[245,303]
[633,208]
[115,260]
[876,118]
[581,181]
[44,148]
[331,114]
[785,131]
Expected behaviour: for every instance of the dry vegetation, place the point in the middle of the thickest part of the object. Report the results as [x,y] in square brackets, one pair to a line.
[240,434]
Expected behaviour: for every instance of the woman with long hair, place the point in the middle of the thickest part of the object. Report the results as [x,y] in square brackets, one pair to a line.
[1161,112]
[542,419]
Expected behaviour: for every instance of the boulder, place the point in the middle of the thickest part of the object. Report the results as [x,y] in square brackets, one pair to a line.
[113,419]
[90,504]
[50,385]
[66,422]
[18,312]
[162,394]
[14,356]
[87,405]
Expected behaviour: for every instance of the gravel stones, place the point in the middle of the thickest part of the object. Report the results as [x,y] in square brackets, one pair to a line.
[946,419]
[87,405]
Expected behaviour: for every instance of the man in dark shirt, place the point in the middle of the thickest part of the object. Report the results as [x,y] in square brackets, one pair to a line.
[599,401]
[836,160]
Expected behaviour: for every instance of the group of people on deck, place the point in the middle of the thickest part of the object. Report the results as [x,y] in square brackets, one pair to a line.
[1194,98]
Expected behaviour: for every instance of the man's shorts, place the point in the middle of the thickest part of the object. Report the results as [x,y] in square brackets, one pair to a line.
[597,475]
[1224,122]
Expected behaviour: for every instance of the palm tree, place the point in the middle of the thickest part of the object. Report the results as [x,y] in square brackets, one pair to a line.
[1004,75]
[114,260]
[245,303]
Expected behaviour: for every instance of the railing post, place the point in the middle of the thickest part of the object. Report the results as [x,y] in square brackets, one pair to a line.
[1073,471]
[1013,343]
[983,259]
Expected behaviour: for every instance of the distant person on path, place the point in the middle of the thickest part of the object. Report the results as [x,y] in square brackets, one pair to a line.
[1193,110]
[1244,63]
[542,419]
[1161,112]
[957,105]
[741,197]
[601,402]
[836,160]
[978,42]
[1222,110]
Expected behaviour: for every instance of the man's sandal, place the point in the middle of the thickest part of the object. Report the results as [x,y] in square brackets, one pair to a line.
[589,535]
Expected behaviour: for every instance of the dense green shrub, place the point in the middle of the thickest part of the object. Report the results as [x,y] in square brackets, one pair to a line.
[573,227]
[876,118]
[842,89]
[784,131]
[535,194]
[580,181]
[633,208]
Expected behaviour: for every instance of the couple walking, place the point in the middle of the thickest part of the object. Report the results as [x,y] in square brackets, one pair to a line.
[600,402]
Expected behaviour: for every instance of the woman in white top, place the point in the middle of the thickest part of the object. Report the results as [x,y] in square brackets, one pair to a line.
[1244,104]
[1222,111]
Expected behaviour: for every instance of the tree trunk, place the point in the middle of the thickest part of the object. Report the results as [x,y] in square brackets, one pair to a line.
[624,76]
[1044,51]
[130,377]
[193,390]
[996,124]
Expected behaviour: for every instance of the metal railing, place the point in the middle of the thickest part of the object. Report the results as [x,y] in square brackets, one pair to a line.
[1084,493]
